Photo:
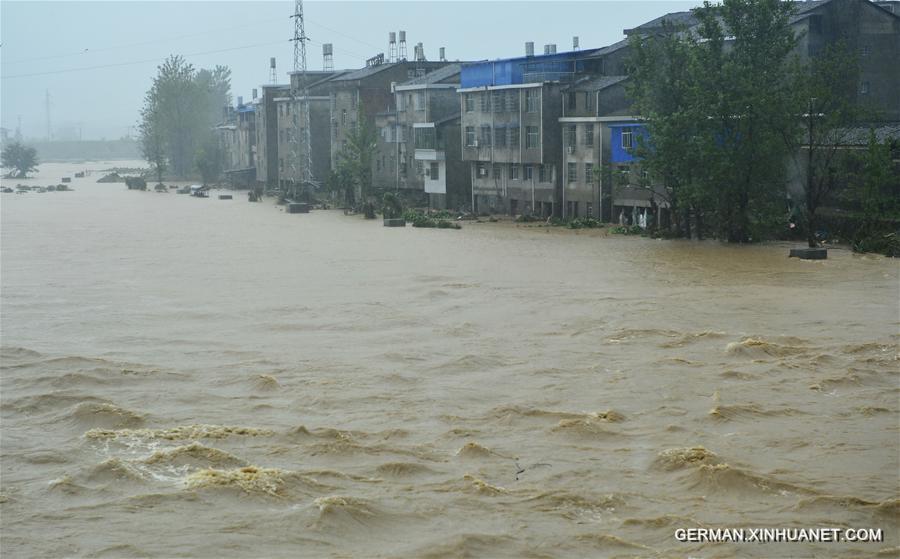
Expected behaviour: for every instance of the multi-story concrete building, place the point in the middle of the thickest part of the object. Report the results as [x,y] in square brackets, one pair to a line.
[237,138]
[418,151]
[292,149]
[510,131]
[362,94]
[267,156]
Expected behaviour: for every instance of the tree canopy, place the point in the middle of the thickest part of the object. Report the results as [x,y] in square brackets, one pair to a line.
[180,110]
[19,159]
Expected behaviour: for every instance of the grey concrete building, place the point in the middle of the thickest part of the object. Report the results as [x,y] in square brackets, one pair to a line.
[362,94]
[418,151]
[511,135]
[292,149]
[267,156]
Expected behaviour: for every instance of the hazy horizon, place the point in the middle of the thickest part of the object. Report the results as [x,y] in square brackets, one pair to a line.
[97,59]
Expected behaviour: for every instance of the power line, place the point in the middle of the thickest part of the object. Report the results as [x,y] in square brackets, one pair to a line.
[68,70]
[143,43]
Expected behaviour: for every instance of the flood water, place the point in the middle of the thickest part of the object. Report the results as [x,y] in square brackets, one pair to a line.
[210,378]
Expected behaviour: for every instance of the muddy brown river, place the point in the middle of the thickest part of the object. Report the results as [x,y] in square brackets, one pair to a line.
[187,377]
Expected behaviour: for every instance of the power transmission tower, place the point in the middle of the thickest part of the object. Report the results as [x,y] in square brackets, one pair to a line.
[301,167]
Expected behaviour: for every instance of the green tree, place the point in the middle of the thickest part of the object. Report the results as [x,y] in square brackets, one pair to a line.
[357,159]
[822,117]
[19,159]
[180,108]
[209,160]
[714,97]
[152,135]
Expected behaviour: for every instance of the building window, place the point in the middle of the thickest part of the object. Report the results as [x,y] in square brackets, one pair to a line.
[589,135]
[542,173]
[571,137]
[512,101]
[532,100]
[499,105]
[481,169]
[588,101]
[529,172]
[514,137]
[589,209]
[353,99]
[485,136]
[435,172]
[572,172]
[865,50]
[572,101]
[497,171]
[419,101]
[500,137]
[589,173]
[485,101]
[470,102]
[470,136]
[627,138]
[343,117]
[401,102]
[864,88]
[531,137]
[513,172]
[420,168]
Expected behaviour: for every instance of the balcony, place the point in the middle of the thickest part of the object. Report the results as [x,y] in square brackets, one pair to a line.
[427,154]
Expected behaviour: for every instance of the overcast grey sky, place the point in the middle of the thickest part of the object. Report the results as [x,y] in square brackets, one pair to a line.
[97,59]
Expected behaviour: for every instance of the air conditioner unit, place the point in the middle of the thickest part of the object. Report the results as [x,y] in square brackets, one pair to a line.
[475,144]
[482,172]
[571,149]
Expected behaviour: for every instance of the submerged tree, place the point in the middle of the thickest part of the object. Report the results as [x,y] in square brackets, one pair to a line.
[180,108]
[152,137]
[19,159]
[714,97]
[357,159]
[823,113]
[209,160]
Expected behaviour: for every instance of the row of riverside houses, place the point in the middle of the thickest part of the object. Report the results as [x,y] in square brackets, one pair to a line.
[519,135]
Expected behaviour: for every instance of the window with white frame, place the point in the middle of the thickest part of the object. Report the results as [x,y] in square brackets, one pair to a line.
[470,102]
[514,137]
[470,136]
[589,173]
[571,172]
[532,100]
[532,137]
[589,135]
[627,138]
[435,171]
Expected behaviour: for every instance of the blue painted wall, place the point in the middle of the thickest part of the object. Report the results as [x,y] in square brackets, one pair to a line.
[620,154]
[511,71]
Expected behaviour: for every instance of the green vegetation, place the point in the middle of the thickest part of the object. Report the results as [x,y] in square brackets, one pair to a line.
[391,207]
[19,159]
[436,220]
[352,180]
[627,230]
[179,113]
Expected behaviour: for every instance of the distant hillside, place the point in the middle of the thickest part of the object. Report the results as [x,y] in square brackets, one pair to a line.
[86,150]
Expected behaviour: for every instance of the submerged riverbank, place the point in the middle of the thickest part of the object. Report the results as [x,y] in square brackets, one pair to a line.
[207,377]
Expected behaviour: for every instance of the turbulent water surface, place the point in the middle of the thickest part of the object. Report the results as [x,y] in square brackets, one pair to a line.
[199,377]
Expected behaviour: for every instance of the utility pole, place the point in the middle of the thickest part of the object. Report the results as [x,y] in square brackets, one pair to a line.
[301,167]
[47,108]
